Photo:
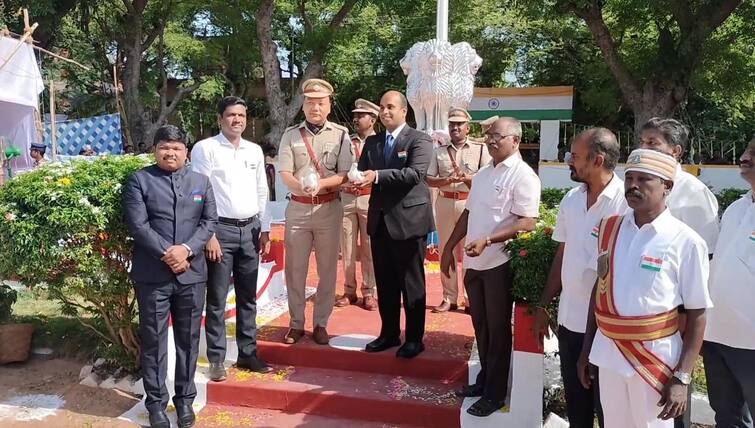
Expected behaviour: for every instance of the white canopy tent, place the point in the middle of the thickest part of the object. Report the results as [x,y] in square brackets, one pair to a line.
[20,85]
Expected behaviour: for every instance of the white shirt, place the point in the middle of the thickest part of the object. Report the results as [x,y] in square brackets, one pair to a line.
[637,291]
[692,202]
[576,228]
[394,134]
[499,194]
[237,176]
[732,278]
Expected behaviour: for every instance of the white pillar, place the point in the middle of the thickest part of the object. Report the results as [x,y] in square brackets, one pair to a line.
[549,133]
[441,21]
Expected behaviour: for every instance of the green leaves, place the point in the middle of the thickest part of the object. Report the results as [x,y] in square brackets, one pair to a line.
[62,225]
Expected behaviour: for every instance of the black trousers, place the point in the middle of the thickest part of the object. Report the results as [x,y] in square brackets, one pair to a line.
[184,305]
[240,246]
[581,404]
[730,375]
[400,272]
[491,304]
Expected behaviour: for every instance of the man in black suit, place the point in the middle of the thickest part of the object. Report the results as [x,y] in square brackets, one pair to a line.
[170,212]
[400,216]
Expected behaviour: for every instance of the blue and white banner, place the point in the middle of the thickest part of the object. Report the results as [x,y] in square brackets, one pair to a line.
[103,133]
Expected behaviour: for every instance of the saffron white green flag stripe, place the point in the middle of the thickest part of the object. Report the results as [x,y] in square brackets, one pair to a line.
[525,104]
[651,263]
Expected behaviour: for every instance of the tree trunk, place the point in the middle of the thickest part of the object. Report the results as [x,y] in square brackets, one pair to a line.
[657,100]
[142,122]
[282,114]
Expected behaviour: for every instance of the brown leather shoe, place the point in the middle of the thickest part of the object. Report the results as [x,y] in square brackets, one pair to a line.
[345,300]
[293,335]
[369,303]
[445,307]
[320,335]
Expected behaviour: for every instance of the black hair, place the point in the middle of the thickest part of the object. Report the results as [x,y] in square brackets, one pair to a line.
[603,142]
[674,132]
[170,133]
[229,102]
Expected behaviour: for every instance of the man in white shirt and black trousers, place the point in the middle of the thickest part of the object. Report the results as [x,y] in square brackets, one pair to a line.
[504,200]
[729,347]
[236,168]
[594,154]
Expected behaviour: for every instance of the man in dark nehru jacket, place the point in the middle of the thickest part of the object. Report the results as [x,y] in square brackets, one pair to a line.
[170,212]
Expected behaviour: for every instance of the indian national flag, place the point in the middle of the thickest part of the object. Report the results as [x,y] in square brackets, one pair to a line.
[651,263]
[752,236]
[595,232]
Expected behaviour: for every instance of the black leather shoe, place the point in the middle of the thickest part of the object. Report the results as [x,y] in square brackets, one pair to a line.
[469,391]
[159,419]
[484,407]
[217,372]
[410,349]
[186,416]
[381,344]
[253,364]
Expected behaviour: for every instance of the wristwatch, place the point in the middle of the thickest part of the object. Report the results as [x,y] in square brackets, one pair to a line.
[188,248]
[684,378]
[488,242]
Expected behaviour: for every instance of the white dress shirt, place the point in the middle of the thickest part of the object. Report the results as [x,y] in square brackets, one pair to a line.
[637,291]
[394,134]
[237,176]
[576,228]
[692,202]
[500,193]
[732,278]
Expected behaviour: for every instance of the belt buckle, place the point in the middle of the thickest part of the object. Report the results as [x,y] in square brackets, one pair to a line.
[316,200]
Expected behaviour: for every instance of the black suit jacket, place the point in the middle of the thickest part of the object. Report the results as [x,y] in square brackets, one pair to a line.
[164,209]
[400,195]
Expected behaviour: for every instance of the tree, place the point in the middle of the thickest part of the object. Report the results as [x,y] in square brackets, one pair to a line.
[318,39]
[671,34]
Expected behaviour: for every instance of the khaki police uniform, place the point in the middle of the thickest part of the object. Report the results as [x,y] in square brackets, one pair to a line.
[313,221]
[355,242]
[468,158]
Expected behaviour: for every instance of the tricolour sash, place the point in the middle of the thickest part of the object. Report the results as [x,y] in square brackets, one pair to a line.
[628,333]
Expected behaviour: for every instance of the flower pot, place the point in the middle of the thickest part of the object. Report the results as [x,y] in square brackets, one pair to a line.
[524,322]
[16,342]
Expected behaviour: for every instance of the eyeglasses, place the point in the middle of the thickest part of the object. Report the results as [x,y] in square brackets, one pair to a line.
[496,137]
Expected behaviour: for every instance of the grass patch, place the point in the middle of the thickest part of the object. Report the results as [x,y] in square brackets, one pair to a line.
[64,334]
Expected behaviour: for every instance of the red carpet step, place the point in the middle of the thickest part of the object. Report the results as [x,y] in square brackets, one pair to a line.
[343,394]
[325,386]
[216,416]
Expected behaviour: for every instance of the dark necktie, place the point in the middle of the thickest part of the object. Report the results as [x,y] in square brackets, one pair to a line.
[388,149]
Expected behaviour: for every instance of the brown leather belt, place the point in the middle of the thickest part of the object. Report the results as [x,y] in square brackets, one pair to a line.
[315,200]
[459,196]
[357,191]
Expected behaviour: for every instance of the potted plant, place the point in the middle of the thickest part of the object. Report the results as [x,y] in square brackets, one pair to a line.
[531,256]
[15,338]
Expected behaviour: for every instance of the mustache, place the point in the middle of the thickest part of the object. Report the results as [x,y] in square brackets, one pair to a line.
[633,192]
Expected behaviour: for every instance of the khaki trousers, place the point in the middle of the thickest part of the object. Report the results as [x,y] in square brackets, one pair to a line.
[308,225]
[447,212]
[354,226]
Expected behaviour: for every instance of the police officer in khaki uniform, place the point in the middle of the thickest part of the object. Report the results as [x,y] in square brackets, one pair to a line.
[314,158]
[487,123]
[355,203]
[451,169]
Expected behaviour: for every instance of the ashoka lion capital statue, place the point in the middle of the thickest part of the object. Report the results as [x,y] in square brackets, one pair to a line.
[439,76]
